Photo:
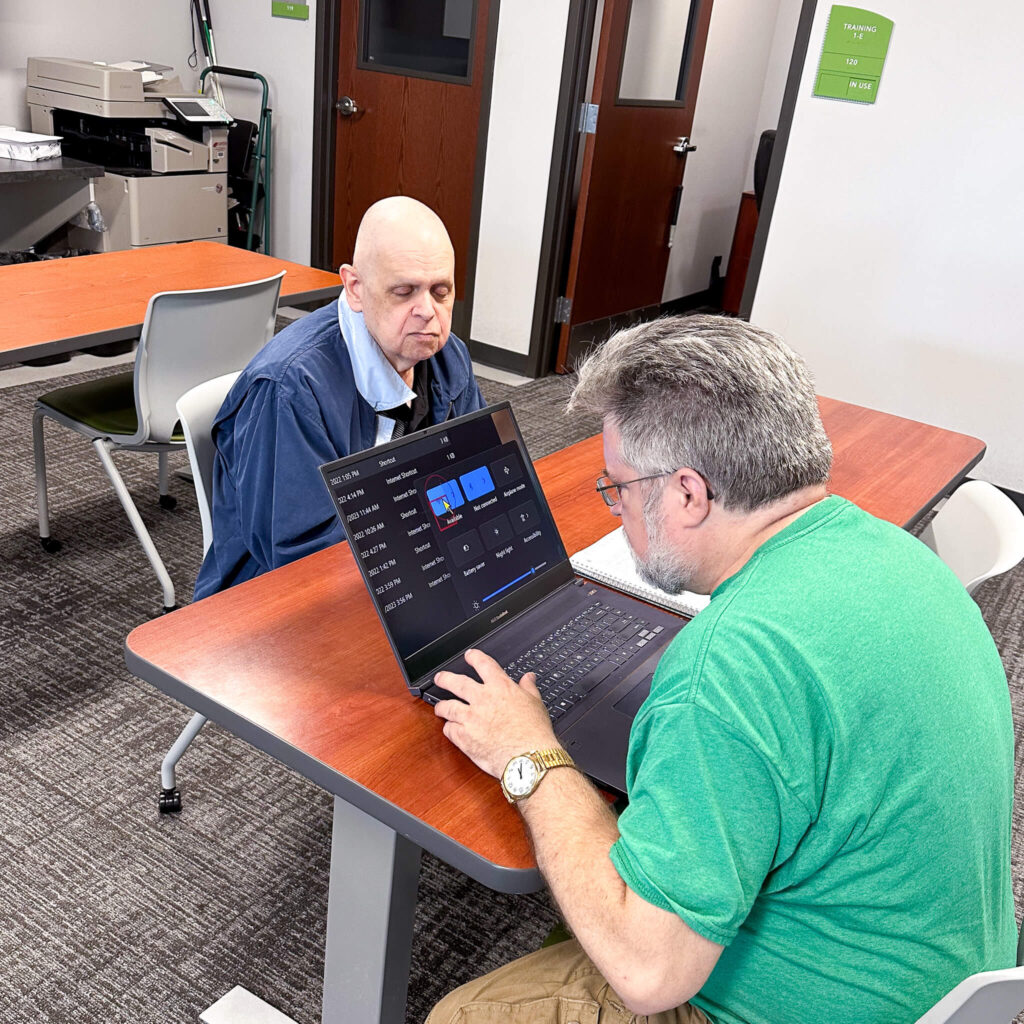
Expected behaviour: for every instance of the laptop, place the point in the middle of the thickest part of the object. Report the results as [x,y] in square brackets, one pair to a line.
[458,549]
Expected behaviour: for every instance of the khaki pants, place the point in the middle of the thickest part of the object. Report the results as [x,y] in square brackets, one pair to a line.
[556,985]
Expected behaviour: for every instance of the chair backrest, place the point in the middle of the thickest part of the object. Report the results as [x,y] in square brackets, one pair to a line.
[197,409]
[978,533]
[192,336]
[992,997]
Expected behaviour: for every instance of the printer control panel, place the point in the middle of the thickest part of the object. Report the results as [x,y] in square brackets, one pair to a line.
[203,110]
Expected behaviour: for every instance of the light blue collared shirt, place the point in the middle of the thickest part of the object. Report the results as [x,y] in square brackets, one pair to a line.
[376,379]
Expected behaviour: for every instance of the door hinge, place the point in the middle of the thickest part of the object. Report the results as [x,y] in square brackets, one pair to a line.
[588,118]
[563,309]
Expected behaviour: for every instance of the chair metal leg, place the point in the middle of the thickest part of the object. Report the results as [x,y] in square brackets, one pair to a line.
[170,798]
[39,447]
[166,500]
[103,446]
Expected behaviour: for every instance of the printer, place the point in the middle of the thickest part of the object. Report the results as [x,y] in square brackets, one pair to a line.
[164,153]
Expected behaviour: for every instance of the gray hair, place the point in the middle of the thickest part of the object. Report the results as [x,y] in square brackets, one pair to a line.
[717,394]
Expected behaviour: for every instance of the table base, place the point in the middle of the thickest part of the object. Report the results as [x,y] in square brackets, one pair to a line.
[370,909]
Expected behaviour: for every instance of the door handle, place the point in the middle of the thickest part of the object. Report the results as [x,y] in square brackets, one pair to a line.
[347,106]
[683,146]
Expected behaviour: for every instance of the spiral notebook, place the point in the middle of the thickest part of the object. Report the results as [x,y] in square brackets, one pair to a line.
[610,561]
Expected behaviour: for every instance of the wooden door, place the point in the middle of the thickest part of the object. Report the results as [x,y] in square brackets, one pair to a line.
[632,171]
[410,84]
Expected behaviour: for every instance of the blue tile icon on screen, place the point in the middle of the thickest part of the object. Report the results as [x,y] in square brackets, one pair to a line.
[445,497]
[477,483]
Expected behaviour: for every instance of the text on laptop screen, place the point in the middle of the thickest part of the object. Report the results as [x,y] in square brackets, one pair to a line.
[447,525]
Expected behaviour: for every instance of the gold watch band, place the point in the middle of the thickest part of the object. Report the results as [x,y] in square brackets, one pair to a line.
[553,757]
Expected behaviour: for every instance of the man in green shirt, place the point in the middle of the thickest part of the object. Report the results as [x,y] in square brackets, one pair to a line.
[820,782]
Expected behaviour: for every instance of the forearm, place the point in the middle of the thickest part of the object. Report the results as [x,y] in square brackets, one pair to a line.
[573,828]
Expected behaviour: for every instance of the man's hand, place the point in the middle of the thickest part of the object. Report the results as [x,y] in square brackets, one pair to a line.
[499,719]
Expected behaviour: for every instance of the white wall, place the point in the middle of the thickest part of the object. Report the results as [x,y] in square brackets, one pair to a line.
[246,36]
[524,104]
[740,53]
[894,257]
[283,51]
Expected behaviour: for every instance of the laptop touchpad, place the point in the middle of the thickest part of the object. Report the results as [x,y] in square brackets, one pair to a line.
[630,704]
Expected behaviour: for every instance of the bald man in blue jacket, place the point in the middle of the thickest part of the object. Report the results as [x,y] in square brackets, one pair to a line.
[379,362]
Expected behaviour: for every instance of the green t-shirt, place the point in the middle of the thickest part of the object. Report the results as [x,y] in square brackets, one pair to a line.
[822,780]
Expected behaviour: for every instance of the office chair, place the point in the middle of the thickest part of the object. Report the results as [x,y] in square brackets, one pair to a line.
[187,337]
[978,533]
[991,997]
[762,164]
[197,409]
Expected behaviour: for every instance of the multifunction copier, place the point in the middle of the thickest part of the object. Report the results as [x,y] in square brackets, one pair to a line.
[164,153]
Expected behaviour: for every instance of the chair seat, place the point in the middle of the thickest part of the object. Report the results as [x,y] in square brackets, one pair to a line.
[106,406]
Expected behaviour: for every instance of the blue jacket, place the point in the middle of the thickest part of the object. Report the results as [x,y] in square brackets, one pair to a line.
[293,408]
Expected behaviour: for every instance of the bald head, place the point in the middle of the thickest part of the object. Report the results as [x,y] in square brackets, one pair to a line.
[402,279]
[395,225]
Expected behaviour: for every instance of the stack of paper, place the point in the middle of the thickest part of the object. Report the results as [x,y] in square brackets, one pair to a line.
[16,145]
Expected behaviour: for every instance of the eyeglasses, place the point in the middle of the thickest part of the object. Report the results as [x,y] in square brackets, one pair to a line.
[610,490]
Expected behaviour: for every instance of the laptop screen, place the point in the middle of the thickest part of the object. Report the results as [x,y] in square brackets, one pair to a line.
[451,532]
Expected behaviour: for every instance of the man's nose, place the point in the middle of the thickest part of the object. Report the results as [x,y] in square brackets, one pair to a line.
[424,308]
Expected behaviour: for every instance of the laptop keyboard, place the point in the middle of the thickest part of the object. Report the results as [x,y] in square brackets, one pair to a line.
[582,653]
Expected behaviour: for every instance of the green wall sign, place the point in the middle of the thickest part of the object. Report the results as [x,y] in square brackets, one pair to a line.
[856,42]
[284,10]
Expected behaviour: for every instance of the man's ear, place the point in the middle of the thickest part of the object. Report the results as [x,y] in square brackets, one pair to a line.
[690,492]
[353,286]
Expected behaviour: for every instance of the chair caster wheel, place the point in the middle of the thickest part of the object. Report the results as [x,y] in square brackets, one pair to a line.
[50,545]
[166,611]
[168,501]
[170,801]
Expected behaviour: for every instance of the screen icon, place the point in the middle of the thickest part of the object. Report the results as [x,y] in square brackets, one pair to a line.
[524,517]
[496,531]
[506,470]
[465,548]
[477,483]
[444,498]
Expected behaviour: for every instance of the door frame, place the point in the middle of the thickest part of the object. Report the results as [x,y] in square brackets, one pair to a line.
[325,137]
[556,238]
[771,187]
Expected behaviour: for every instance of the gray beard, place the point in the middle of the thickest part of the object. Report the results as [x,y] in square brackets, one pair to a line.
[662,567]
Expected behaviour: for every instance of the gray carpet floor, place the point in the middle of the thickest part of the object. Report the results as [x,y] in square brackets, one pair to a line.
[110,912]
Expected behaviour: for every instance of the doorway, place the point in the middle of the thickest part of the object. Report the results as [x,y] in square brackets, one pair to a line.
[637,125]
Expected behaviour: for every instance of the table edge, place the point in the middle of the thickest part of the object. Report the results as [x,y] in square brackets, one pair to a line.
[500,879]
[948,488]
[129,332]
[80,342]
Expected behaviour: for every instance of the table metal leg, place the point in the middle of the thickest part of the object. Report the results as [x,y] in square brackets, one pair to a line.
[372,900]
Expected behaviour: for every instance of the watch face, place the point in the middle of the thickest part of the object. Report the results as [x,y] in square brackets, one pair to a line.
[520,776]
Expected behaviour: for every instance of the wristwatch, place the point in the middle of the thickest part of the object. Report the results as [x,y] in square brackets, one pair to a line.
[523,773]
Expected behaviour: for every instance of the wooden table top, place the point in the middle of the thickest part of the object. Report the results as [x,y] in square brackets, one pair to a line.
[296,661]
[56,306]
